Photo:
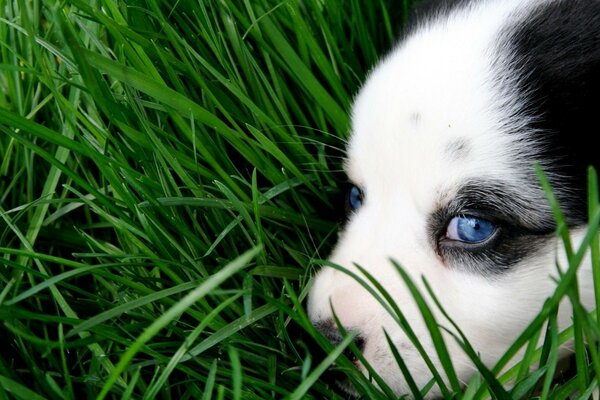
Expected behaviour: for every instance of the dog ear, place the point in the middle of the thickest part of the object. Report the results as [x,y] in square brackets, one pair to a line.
[556,51]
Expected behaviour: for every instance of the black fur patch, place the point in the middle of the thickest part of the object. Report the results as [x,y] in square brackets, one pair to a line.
[556,51]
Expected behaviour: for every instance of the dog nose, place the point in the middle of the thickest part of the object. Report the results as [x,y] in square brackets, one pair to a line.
[329,329]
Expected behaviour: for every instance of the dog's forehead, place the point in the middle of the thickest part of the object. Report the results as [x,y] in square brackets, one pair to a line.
[428,117]
[425,134]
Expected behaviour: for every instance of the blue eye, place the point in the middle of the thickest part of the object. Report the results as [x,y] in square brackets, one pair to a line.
[470,229]
[355,198]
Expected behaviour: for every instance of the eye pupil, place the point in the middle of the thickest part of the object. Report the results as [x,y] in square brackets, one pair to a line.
[355,198]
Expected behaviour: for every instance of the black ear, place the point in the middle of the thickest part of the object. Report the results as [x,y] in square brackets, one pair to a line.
[556,50]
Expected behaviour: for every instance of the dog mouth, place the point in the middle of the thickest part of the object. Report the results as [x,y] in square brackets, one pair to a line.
[337,377]
[346,386]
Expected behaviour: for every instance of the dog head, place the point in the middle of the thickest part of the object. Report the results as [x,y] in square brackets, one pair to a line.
[445,134]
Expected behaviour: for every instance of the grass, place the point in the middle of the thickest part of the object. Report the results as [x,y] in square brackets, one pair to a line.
[166,179]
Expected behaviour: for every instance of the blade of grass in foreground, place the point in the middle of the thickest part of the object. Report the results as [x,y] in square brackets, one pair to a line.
[172,313]
[433,327]
[18,390]
[310,380]
[405,325]
[573,289]
[553,301]
[153,390]
[461,339]
[361,383]
[594,205]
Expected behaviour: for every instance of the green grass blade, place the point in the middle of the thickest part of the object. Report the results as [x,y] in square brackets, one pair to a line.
[310,380]
[18,390]
[196,294]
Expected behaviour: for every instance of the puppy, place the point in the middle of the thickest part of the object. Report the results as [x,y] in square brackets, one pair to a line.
[445,135]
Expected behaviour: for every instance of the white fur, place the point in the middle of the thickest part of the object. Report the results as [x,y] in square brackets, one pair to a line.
[438,85]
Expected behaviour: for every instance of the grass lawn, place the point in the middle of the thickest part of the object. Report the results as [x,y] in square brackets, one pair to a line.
[168,171]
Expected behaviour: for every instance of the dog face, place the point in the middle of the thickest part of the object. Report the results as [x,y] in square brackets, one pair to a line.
[445,133]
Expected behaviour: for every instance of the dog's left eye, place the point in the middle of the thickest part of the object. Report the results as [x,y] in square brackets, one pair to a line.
[355,198]
[470,229]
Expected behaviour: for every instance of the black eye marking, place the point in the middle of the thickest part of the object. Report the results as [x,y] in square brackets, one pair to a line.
[497,226]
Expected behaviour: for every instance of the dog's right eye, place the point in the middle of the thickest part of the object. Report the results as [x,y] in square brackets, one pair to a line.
[355,198]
